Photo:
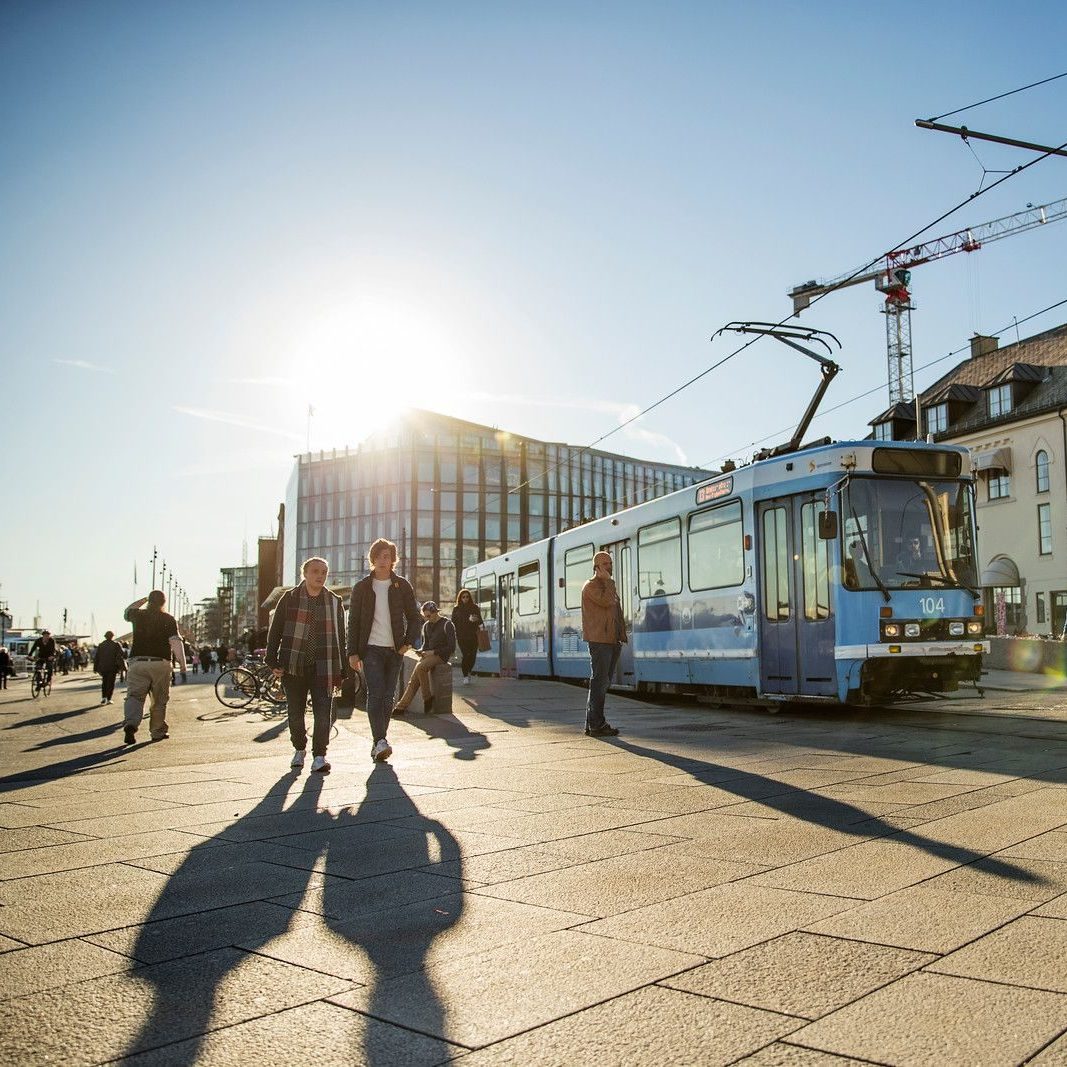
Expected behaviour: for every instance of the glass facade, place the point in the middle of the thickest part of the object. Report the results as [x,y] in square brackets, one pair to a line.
[450,493]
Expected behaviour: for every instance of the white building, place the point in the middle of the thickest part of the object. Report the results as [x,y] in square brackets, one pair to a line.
[1009,407]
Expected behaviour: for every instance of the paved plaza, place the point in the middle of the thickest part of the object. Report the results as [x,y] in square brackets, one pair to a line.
[714,886]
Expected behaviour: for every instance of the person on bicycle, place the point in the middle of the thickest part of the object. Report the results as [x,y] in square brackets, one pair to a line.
[43,653]
[304,646]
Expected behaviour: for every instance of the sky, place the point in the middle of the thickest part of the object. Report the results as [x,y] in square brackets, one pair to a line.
[532,216]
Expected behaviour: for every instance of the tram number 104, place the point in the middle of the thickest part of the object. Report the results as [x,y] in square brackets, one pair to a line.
[932,605]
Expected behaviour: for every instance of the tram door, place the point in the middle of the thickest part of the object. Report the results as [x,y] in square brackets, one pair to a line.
[506,627]
[796,613]
[622,571]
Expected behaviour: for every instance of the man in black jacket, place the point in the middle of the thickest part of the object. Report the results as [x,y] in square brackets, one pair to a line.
[383,623]
[107,662]
[438,644]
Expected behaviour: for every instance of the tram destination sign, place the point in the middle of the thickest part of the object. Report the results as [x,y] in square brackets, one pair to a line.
[715,490]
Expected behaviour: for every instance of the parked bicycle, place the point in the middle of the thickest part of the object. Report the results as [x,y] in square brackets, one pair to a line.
[239,686]
[41,681]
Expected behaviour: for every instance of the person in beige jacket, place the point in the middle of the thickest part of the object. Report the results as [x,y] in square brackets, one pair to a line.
[604,630]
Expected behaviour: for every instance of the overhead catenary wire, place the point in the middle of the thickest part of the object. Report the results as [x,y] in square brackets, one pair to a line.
[999,96]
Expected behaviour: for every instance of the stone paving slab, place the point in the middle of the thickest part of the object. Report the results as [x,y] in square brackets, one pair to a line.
[801,974]
[403,939]
[974,1023]
[923,918]
[35,969]
[1025,879]
[319,1033]
[500,993]
[1030,951]
[104,1018]
[654,1025]
[621,883]
[720,920]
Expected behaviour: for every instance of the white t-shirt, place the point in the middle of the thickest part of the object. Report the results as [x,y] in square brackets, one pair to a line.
[381,631]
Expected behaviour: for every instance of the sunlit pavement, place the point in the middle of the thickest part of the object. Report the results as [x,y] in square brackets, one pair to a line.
[712,886]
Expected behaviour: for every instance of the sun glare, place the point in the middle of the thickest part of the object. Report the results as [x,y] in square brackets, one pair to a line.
[368,359]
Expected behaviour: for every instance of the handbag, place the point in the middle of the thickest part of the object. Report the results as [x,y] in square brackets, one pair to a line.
[483,641]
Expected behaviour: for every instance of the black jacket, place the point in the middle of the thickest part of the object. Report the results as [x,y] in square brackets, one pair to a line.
[467,620]
[403,612]
[439,637]
[108,657]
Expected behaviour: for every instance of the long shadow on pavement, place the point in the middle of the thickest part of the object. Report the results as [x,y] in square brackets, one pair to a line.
[183,1008]
[819,810]
[450,729]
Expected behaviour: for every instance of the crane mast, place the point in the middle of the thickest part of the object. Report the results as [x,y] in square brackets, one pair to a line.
[893,278]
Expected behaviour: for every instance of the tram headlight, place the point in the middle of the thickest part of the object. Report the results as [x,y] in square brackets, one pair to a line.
[974,627]
[891,629]
[911,629]
[955,629]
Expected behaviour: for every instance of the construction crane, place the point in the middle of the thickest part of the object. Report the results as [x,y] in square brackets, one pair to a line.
[893,278]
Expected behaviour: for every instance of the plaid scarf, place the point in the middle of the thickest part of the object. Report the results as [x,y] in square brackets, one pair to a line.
[296,635]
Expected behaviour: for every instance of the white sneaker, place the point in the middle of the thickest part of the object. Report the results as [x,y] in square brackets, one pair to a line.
[466,679]
[319,764]
[298,759]
[382,751]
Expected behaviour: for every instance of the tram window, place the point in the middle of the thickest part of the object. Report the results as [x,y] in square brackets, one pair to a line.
[530,588]
[485,596]
[776,605]
[578,569]
[816,564]
[659,559]
[716,548]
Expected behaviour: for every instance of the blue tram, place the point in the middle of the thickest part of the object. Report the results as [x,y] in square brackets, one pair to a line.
[841,572]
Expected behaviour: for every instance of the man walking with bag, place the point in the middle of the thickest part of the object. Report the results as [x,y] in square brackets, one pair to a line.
[604,630]
[107,662]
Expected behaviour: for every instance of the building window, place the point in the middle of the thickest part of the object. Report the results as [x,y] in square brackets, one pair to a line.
[999,485]
[1041,471]
[1044,529]
[999,400]
[1039,601]
[937,418]
[883,431]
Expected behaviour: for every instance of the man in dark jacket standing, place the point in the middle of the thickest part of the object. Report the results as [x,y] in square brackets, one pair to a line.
[107,662]
[383,623]
[604,629]
[438,644]
[304,650]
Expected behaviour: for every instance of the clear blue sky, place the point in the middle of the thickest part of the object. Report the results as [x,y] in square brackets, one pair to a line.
[532,216]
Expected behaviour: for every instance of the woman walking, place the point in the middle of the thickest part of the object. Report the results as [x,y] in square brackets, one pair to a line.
[467,620]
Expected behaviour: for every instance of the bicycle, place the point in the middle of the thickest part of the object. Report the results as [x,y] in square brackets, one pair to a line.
[239,686]
[41,681]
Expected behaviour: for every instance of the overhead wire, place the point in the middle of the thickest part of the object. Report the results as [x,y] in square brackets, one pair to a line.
[1000,96]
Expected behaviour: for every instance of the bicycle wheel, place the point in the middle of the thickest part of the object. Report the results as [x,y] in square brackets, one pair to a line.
[47,685]
[36,686]
[236,688]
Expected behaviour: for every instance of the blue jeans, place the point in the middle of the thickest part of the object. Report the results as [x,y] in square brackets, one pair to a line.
[603,658]
[381,670]
[297,687]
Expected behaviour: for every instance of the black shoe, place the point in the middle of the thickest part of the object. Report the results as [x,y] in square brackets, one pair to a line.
[129,735]
[427,705]
[602,731]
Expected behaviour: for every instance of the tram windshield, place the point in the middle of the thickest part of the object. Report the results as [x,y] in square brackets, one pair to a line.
[907,534]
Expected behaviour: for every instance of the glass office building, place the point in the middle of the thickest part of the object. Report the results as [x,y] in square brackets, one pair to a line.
[450,493]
